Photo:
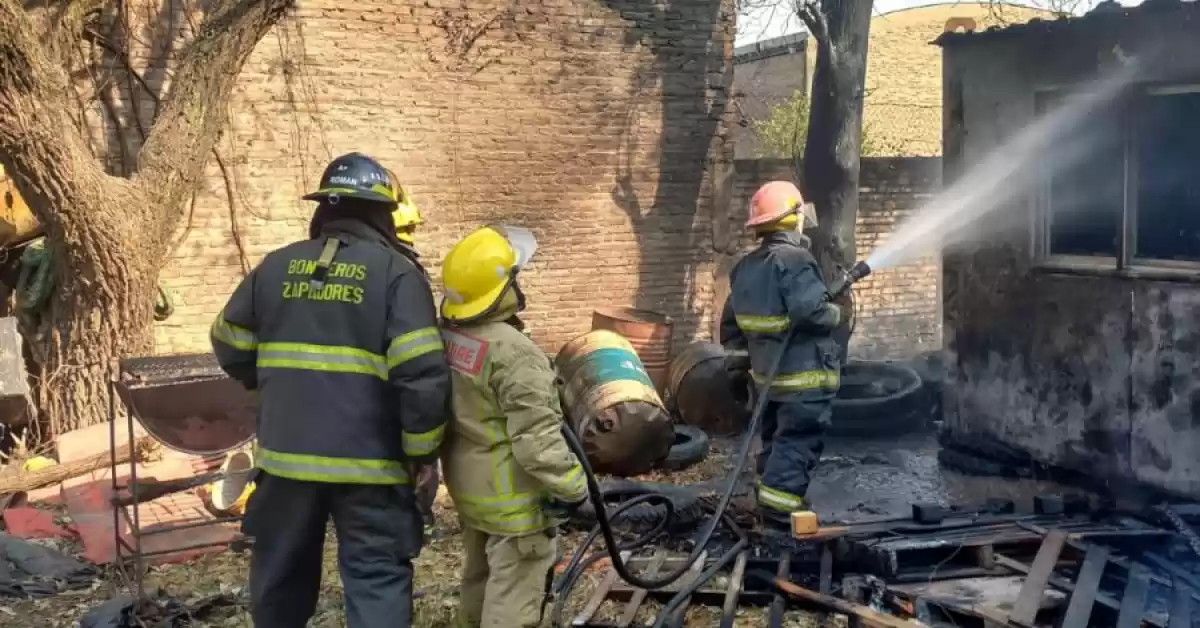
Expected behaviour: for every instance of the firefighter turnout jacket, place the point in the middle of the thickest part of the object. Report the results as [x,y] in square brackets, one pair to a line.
[505,454]
[775,289]
[351,376]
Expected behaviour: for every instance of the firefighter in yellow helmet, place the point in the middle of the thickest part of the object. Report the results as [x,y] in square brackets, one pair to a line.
[407,218]
[507,465]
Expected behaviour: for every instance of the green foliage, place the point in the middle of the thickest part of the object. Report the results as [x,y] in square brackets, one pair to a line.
[785,129]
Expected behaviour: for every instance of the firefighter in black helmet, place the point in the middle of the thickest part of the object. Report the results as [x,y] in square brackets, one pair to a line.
[337,334]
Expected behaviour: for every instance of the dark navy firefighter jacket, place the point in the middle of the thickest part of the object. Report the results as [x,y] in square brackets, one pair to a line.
[774,289]
[352,380]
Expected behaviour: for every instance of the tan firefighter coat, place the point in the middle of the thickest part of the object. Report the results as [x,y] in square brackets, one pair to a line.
[505,453]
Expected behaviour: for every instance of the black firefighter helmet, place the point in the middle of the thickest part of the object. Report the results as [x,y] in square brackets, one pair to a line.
[355,176]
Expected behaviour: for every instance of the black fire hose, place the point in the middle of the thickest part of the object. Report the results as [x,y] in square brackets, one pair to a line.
[603,525]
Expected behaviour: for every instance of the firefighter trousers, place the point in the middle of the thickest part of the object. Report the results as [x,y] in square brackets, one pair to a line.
[378,532]
[505,579]
[792,442]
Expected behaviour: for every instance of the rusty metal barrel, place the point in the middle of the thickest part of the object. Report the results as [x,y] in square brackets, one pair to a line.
[702,393]
[649,333]
[611,403]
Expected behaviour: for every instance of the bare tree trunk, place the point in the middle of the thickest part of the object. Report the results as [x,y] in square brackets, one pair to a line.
[108,236]
[830,168]
[831,155]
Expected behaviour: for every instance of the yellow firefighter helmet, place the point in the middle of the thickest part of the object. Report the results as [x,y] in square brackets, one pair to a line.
[480,268]
[407,218]
[406,215]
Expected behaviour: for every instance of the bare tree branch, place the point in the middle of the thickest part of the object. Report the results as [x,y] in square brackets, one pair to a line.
[38,134]
[193,113]
[814,19]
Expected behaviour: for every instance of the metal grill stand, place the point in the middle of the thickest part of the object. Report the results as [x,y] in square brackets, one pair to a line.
[169,396]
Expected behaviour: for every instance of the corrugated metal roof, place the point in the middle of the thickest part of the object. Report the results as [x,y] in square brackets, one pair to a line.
[1104,14]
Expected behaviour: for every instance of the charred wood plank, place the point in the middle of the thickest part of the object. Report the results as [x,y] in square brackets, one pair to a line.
[1181,607]
[598,596]
[729,610]
[1133,603]
[1083,598]
[1029,600]
[639,595]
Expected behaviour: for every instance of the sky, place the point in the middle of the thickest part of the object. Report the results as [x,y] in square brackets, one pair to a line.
[773,22]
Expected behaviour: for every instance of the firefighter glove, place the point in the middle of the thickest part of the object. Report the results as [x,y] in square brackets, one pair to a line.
[561,509]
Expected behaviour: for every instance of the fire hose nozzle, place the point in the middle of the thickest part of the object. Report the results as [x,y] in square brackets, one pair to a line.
[855,274]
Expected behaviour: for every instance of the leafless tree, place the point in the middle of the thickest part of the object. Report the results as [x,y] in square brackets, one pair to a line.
[108,233]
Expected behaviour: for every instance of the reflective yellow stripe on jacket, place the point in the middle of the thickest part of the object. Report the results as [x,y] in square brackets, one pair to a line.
[337,470]
[334,359]
[413,345]
[239,338]
[804,380]
[505,509]
[425,443]
[762,324]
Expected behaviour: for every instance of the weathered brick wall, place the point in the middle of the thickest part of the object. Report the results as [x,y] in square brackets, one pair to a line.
[592,122]
[898,308]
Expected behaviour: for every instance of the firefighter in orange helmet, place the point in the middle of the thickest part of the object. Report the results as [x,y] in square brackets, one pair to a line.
[777,302]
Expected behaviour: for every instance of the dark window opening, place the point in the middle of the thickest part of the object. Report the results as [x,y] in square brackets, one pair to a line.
[1168,142]
[1086,197]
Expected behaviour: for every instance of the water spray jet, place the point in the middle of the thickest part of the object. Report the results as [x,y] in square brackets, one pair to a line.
[1006,174]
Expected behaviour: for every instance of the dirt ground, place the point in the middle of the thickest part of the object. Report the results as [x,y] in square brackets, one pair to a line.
[437,573]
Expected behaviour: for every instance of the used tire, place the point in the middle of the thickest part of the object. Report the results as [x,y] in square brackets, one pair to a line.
[688,507]
[690,447]
[878,399]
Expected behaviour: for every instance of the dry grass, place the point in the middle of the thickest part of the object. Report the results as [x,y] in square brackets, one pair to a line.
[437,572]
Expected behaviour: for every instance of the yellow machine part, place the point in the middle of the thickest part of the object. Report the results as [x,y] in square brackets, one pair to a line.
[17,222]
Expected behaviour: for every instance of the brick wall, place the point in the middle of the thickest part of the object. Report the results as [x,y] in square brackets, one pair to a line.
[592,122]
[898,308]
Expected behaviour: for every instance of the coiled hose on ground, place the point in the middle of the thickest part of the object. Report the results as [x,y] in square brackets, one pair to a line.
[603,527]
[613,550]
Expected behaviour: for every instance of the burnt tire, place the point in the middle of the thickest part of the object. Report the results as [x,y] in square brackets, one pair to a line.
[878,399]
[689,448]
[689,509]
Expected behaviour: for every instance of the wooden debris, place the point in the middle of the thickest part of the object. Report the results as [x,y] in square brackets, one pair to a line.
[729,608]
[1181,607]
[1083,598]
[1030,601]
[151,490]
[25,482]
[868,617]
[1133,603]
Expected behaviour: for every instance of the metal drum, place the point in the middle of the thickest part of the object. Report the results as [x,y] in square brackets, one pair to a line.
[702,393]
[611,404]
[648,332]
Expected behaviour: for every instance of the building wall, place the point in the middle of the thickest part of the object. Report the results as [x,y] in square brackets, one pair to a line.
[1084,368]
[898,308]
[902,115]
[762,81]
[593,122]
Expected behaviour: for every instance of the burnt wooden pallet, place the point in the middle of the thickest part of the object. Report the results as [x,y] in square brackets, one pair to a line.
[1131,610]
[965,551]
[630,599]
[1041,577]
